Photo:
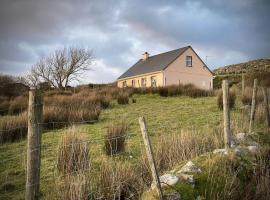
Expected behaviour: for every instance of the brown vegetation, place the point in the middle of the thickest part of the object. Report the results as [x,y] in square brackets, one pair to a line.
[231,101]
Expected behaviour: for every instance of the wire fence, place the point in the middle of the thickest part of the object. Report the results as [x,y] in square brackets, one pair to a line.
[94,173]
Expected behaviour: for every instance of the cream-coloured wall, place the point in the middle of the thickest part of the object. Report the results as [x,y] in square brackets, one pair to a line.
[158,75]
[177,72]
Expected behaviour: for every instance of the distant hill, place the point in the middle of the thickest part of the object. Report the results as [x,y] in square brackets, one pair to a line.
[258,65]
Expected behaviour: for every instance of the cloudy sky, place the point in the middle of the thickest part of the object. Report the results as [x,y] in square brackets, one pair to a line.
[119,31]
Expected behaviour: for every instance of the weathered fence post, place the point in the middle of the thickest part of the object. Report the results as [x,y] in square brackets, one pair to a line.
[35,110]
[150,157]
[266,106]
[253,106]
[226,114]
[243,84]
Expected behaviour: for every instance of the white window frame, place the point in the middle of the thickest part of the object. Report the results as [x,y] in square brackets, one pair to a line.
[153,81]
[124,84]
[143,82]
[133,82]
[188,61]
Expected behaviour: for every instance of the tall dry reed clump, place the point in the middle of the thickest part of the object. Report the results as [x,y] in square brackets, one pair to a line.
[118,180]
[73,187]
[246,97]
[18,105]
[232,98]
[13,127]
[122,98]
[170,149]
[73,153]
[115,137]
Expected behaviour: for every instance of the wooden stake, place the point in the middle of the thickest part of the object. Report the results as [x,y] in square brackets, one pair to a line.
[243,84]
[226,114]
[266,106]
[150,157]
[253,106]
[35,111]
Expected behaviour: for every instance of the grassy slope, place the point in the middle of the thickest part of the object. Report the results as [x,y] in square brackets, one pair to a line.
[164,115]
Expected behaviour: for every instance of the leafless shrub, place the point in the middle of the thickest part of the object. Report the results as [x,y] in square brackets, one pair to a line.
[115,138]
[73,153]
[122,98]
[247,96]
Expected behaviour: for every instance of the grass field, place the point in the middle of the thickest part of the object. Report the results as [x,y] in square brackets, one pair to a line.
[164,116]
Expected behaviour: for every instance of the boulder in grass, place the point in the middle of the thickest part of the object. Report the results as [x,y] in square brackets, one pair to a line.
[240,136]
[234,142]
[167,180]
[172,196]
[253,149]
[187,177]
[190,167]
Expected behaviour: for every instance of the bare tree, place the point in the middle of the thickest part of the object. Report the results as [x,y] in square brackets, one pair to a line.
[62,67]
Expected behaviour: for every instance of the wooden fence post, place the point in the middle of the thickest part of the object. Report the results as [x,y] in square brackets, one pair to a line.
[150,157]
[253,106]
[226,114]
[266,106]
[35,111]
[243,84]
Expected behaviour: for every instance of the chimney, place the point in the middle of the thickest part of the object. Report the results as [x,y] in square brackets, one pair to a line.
[145,55]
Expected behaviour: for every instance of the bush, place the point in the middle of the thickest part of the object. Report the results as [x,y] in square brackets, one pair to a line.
[163,91]
[13,127]
[122,98]
[232,98]
[115,138]
[73,153]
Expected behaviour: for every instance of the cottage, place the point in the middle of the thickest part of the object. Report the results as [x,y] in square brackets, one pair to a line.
[179,66]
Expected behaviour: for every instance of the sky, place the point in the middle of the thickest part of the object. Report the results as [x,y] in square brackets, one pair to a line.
[120,31]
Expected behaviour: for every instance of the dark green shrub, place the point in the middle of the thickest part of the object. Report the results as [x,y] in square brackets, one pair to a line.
[163,91]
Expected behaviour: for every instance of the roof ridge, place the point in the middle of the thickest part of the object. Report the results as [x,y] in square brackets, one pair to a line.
[169,51]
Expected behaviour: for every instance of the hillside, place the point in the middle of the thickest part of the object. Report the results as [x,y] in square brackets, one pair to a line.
[250,66]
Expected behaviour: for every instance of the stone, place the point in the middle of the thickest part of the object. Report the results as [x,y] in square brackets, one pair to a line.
[237,151]
[187,177]
[253,149]
[190,167]
[234,142]
[221,151]
[240,136]
[167,180]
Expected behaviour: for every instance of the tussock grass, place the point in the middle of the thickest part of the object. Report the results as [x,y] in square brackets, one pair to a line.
[73,153]
[114,140]
[13,127]
[246,98]
[231,102]
[122,98]
[118,179]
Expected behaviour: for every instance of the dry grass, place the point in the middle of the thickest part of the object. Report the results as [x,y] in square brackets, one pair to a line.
[232,98]
[115,138]
[73,153]
[13,127]
[18,105]
[246,98]
[117,180]
[73,187]
[122,98]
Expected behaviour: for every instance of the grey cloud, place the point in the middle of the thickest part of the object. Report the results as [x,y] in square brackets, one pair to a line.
[119,31]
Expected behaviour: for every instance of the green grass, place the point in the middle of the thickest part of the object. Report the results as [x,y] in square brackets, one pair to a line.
[163,115]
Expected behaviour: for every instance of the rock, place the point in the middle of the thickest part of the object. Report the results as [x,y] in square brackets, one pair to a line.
[167,180]
[173,196]
[190,167]
[237,151]
[240,136]
[188,178]
[234,142]
[253,149]
[221,151]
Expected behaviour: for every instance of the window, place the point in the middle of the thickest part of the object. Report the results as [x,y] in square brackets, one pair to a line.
[143,80]
[124,84]
[189,61]
[153,81]
[133,83]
